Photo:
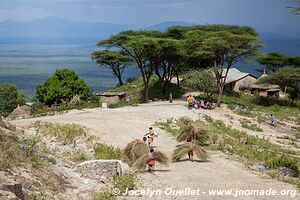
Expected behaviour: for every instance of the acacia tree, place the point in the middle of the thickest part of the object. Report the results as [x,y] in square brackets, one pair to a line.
[115,61]
[221,46]
[275,60]
[171,58]
[141,47]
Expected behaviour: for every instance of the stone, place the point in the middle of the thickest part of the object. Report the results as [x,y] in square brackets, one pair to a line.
[102,170]
[7,125]
[13,187]
[284,171]
[20,112]
[262,166]
[7,195]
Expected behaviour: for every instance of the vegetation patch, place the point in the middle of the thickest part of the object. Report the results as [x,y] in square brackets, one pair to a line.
[246,123]
[105,152]
[121,183]
[67,133]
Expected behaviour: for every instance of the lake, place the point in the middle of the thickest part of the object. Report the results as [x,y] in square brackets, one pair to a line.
[28,65]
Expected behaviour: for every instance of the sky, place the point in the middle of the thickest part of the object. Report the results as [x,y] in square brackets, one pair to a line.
[265,15]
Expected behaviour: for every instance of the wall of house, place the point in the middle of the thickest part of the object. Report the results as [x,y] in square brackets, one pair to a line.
[246,82]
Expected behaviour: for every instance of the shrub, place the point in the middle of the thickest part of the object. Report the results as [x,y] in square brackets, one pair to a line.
[10,98]
[125,182]
[105,152]
[106,195]
[283,161]
[62,86]
[65,132]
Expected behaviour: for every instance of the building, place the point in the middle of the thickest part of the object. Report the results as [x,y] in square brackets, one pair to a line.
[238,81]
[265,90]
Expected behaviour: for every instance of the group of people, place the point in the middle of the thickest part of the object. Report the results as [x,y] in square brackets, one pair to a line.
[194,103]
[149,139]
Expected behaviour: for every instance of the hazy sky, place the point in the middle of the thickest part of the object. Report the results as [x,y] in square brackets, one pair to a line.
[263,14]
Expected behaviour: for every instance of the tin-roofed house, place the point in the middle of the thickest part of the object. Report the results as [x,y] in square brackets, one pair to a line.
[238,81]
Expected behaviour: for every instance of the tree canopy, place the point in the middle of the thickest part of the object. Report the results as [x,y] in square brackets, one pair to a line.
[167,53]
[62,86]
[116,61]
[10,98]
[273,61]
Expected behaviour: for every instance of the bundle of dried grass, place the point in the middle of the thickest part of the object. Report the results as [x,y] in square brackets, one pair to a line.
[143,161]
[138,150]
[135,149]
[192,131]
[183,149]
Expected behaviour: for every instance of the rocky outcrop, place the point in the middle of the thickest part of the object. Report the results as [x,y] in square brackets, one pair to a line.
[20,112]
[102,170]
[7,125]
[11,189]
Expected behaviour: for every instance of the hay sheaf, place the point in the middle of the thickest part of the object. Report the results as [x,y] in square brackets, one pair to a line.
[141,163]
[183,149]
[135,149]
[193,131]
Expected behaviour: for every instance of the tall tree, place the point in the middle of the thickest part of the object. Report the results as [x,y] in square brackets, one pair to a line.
[171,57]
[141,47]
[115,61]
[273,61]
[221,46]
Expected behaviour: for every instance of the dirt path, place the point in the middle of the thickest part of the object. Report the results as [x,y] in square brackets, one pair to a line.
[119,126]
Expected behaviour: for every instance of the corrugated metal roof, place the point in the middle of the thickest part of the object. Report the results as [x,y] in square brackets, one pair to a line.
[234,75]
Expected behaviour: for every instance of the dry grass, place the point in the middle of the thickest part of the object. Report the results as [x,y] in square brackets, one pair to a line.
[143,161]
[183,149]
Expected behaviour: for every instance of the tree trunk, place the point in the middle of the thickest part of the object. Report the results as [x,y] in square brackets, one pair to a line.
[178,81]
[120,80]
[146,92]
[221,87]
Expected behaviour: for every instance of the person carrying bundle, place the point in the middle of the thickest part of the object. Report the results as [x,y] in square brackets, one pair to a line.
[151,135]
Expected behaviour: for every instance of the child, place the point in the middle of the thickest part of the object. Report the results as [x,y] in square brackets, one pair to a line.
[190,152]
[151,162]
[190,101]
[151,135]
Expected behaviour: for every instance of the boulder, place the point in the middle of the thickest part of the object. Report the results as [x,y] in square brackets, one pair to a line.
[284,171]
[13,187]
[20,112]
[7,195]
[102,170]
[262,166]
[7,125]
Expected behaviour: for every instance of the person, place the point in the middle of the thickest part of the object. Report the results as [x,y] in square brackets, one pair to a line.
[151,162]
[170,98]
[151,135]
[145,140]
[273,120]
[190,152]
[190,101]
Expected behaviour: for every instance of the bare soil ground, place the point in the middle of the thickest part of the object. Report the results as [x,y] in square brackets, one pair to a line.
[119,126]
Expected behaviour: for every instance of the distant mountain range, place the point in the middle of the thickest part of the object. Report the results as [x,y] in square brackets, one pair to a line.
[64,31]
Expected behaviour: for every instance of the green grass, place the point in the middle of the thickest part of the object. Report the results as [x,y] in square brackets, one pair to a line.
[250,108]
[245,123]
[67,133]
[105,152]
[79,157]
[121,183]
[15,153]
